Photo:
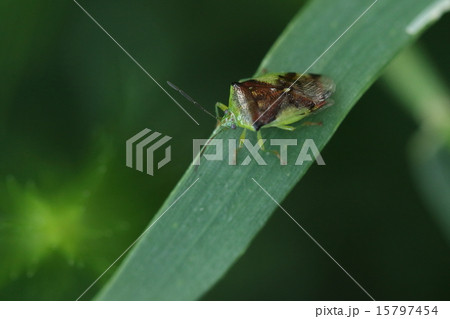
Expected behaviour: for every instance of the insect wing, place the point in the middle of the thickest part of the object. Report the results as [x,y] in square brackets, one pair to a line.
[265,97]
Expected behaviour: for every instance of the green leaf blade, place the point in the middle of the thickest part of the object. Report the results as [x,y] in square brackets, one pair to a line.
[197,240]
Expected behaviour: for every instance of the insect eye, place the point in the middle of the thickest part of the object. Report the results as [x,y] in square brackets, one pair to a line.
[233,126]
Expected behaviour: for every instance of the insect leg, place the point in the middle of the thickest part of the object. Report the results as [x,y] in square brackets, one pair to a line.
[260,140]
[221,106]
[241,143]
[286,127]
[242,138]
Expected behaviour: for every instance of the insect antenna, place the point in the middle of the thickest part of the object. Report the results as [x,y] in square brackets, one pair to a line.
[173,86]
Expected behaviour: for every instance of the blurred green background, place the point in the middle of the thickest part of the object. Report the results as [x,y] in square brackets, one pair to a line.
[70,98]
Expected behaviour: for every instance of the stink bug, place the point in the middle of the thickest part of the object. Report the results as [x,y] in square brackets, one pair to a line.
[271,100]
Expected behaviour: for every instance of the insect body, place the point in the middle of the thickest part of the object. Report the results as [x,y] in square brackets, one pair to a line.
[275,100]
[271,100]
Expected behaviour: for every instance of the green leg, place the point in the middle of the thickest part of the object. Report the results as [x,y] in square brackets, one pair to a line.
[260,140]
[221,106]
[242,138]
[241,143]
[286,127]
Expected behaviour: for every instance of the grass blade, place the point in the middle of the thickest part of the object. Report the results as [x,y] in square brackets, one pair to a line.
[201,236]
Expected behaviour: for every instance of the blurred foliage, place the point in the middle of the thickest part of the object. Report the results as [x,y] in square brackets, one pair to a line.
[69,98]
[425,95]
